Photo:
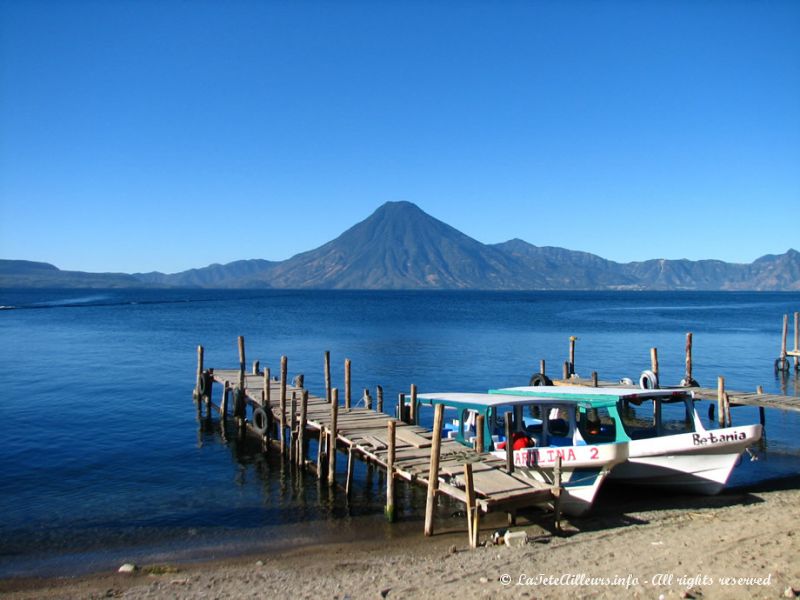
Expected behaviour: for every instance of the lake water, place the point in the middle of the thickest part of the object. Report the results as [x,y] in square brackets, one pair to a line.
[103,459]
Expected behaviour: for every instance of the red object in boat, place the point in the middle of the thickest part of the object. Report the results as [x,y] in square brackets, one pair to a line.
[520,441]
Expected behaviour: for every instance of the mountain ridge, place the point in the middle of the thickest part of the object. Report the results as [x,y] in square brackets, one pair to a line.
[399,246]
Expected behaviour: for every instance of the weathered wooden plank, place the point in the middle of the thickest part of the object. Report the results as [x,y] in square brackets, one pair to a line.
[405,434]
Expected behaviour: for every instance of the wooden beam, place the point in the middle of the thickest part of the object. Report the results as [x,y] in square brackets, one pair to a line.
[347,383]
[389,511]
[284,369]
[349,481]
[509,444]
[333,436]
[412,414]
[198,392]
[479,425]
[433,473]
[688,375]
[327,376]
[469,488]
[242,361]
[301,431]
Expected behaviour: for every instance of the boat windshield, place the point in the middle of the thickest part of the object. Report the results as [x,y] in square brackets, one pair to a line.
[656,417]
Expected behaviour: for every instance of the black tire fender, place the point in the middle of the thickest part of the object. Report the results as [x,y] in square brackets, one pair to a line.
[260,420]
[540,379]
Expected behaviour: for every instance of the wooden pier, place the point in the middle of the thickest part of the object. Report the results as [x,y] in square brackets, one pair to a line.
[723,399]
[287,416]
[782,362]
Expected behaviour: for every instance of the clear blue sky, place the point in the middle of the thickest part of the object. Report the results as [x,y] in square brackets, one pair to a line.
[165,135]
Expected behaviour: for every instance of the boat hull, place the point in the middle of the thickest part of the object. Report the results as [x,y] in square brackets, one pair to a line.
[583,470]
[579,487]
[699,463]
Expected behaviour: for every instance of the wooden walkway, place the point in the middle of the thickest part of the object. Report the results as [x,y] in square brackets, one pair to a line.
[757,399]
[365,434]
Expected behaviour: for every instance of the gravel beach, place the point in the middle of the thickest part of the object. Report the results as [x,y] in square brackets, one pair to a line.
[741,544]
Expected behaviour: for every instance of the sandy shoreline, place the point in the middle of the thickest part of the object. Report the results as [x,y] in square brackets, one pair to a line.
[741,544]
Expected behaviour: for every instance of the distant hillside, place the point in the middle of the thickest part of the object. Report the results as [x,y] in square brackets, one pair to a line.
[25,273]
[401,247]
[238,274]
[558,268]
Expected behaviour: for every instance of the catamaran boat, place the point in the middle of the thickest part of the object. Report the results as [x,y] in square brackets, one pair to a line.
[585,433]
[669,448]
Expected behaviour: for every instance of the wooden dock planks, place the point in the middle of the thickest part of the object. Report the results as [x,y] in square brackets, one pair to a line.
[365,431]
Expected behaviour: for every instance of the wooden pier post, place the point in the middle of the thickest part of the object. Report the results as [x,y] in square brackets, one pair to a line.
[349,480]
[391,426]
[594,378]
[784,335]
[284,369]
[572,340]
[242,361]
[557,494]
[797,341]
[268,405]
[654,364]
[198,388]
[367,399]
[401,407]
[301,430]
[347,383]
[433,474]
[728,421]
[223,406]
[479,433]
[412,409]
[566,369]
[256,367]
[240,409]
[762,417]
[469,488]
[323,439]
[541,367]
[687,378]
[721,401]
[265,396]
[293,429]
[509,443]
[327,376]
[333,436]
[379,399]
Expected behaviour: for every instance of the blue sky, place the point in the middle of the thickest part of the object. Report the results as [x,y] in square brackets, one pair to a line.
[165,135]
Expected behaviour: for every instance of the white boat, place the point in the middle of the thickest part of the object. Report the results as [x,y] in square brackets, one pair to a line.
[670,448]
[564,428]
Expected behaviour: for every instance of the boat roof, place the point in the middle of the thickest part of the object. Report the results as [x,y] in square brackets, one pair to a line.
[495,398]
[590,394]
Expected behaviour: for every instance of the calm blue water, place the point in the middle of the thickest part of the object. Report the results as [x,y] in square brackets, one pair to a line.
[103,460]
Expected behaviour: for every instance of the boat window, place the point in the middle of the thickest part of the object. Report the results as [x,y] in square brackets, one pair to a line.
[596,425]
[560,426]
[653,418]
[676,417]
[638,420]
